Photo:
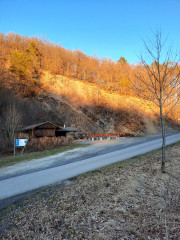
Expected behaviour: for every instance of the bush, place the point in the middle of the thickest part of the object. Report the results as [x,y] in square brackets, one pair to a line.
[46,143]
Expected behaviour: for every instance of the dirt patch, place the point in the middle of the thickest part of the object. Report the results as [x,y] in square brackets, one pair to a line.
[128,200]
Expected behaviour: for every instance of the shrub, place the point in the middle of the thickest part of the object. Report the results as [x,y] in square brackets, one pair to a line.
[45,143]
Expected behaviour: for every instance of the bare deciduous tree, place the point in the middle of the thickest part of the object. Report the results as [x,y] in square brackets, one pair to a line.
[158,81]
[11,123]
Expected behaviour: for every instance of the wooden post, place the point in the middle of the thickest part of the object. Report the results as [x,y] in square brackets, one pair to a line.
[22,150]
[24,147]
[14,147]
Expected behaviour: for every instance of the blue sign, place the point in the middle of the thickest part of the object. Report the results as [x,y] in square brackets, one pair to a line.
[20,142]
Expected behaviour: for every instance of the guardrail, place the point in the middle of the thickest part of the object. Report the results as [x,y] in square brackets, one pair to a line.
[104,136]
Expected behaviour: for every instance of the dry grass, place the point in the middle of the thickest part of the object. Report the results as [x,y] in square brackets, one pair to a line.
[40,144]
[128,200]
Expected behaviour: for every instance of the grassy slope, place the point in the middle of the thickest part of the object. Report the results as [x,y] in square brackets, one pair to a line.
[127,200]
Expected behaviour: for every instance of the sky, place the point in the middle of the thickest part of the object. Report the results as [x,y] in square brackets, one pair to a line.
[101,28]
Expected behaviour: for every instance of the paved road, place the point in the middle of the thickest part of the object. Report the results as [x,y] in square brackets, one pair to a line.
[14,182]
[75,155]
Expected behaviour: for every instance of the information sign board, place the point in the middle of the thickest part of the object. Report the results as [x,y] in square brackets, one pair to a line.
[20,142]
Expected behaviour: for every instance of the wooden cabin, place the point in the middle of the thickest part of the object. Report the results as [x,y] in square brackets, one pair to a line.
[45,129]
[48,129]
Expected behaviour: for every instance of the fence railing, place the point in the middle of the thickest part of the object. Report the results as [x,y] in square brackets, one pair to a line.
[104,136]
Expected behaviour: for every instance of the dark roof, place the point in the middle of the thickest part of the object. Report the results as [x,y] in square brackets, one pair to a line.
[38,125]
[68,129]
[71,129]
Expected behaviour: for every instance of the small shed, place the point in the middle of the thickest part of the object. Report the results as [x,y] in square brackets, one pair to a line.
[44,129]
[64,131]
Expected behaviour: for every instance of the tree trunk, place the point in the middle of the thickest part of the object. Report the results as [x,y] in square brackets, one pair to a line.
[163,146]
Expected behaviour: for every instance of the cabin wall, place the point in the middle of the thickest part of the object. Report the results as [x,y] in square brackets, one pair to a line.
[44,132]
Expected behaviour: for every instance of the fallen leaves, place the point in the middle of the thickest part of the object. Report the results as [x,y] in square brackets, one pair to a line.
[131,200]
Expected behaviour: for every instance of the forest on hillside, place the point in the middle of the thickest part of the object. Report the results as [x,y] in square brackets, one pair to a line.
[24,62]
[26,58]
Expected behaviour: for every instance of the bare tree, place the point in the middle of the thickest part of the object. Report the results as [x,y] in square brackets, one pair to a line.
[11,123]
[158,80]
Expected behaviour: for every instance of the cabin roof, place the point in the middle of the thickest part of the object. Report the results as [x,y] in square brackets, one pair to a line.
[71,129]
[38,125]
[68,129]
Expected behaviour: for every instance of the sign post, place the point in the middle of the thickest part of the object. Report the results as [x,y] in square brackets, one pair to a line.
[14,147]
[19,143]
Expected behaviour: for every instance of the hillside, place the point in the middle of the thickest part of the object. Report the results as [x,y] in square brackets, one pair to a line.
[94,109]
[86,106]
[91,108]
[41,81]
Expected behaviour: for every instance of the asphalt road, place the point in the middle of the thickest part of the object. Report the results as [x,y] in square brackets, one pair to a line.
[50,170]
[76,155]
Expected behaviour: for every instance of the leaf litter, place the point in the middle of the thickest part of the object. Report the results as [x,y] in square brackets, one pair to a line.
[127,200]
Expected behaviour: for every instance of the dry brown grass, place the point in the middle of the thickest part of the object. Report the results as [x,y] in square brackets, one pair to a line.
[40,144]
[128,200]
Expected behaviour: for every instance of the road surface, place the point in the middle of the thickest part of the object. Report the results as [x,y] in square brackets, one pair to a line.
[50,170]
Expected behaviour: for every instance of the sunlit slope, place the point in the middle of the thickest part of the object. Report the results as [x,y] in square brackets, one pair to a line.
[112,111]
[83,93]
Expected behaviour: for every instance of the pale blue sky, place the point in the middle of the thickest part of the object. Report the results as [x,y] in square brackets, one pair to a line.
[105,28]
